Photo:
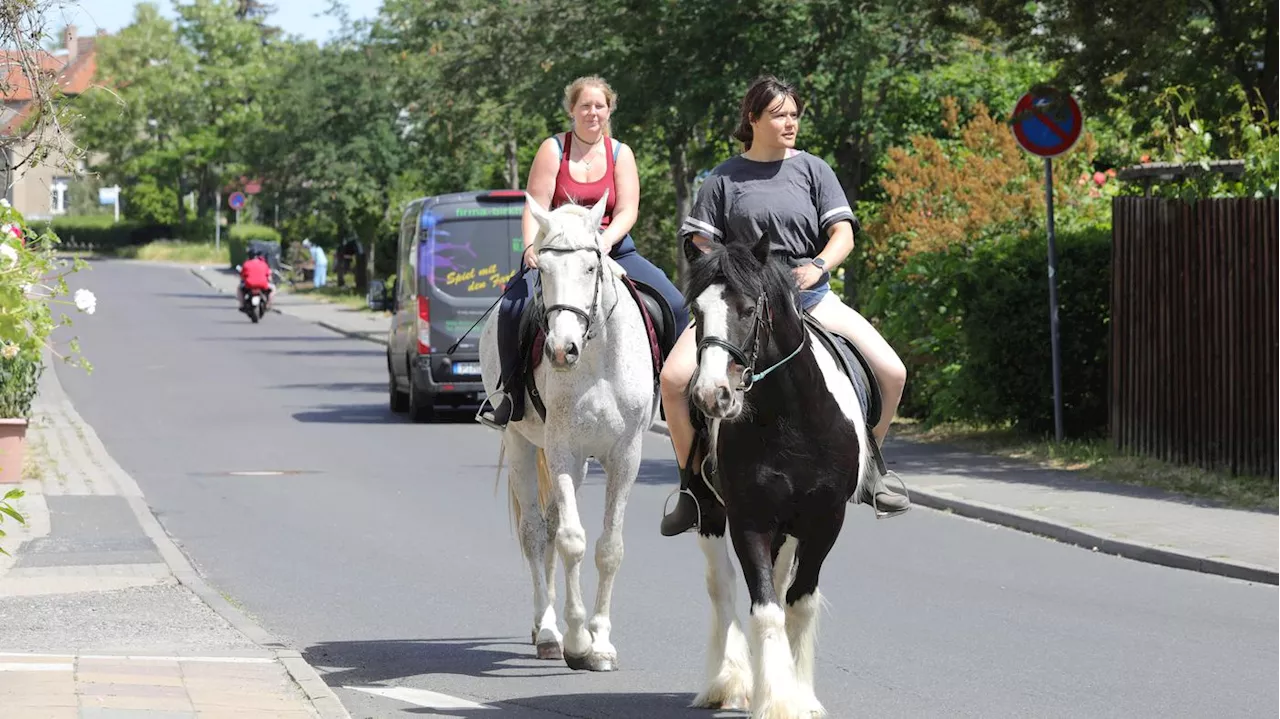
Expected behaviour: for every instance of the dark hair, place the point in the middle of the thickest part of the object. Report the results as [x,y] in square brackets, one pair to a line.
[764,91]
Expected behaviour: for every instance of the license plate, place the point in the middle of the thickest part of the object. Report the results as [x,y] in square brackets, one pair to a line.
[466,368]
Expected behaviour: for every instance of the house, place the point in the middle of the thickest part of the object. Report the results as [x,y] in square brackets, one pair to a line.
[40,190]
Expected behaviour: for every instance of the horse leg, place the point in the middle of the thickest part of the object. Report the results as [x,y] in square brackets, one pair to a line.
[533,541]
[804,601]
[728,661]
[571,542]
[621,467]
[776,693]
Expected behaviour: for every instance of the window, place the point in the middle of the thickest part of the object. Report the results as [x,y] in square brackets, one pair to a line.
[59,195]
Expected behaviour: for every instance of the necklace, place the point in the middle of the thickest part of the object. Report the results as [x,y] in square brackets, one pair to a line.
[590,153]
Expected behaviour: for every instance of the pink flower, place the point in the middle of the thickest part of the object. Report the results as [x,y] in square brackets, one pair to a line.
[1145,159]
[1099,179]
[1111,172]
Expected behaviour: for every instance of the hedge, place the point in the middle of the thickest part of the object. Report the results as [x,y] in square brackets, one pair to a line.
[972,326]
[102,233]
[240,236]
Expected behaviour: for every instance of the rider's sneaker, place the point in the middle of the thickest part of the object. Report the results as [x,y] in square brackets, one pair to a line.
[884,501]
[500,416]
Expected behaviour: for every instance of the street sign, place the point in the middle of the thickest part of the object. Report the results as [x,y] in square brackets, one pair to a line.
[236,200]
[108,195]
[1047,122]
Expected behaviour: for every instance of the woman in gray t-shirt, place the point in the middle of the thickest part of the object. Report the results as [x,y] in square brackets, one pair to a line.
[797,199]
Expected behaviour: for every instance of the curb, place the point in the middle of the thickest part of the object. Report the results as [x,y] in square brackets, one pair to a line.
[326,703]
[1020,521]
[1128,549]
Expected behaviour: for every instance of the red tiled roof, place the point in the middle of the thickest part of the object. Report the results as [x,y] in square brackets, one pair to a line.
[74,78]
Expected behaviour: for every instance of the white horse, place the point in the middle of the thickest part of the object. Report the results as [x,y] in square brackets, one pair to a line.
[598,388]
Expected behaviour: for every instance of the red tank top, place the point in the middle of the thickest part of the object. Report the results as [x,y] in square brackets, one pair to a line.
[585,193]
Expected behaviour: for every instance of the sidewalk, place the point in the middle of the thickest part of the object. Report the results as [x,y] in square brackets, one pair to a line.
[1135,522]
[101,615]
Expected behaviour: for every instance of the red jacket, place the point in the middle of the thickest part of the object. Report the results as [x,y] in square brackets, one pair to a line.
[256,274]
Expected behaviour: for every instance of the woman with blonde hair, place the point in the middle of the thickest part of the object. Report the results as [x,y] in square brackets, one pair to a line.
[578,166]
[796,199]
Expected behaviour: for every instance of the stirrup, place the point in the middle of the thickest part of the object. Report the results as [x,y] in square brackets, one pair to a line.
[666,504]
[885,514]
[487,420]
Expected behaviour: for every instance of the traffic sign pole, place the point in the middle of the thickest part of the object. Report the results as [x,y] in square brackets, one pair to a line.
[1054,342]
[1048,123]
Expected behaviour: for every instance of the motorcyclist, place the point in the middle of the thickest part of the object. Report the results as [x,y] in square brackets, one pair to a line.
[255,274]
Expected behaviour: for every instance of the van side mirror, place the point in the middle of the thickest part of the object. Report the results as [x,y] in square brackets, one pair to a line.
[377,297]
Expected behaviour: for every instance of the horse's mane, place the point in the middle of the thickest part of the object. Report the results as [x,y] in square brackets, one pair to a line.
[737,268]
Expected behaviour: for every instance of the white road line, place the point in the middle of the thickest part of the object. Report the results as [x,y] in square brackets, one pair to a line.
[35,667]
[142,658]
[421,697]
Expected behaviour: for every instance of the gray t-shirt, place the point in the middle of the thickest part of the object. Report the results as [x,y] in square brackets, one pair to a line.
[795,200]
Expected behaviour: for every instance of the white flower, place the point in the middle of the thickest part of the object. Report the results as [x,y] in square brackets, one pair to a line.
[85,301]
[5,203]
[7,252]
[28,288]
[9,352]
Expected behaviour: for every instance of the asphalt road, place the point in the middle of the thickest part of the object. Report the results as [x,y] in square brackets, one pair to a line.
[386,556]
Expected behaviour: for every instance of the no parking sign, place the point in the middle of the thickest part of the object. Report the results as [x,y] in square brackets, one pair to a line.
[1047,123]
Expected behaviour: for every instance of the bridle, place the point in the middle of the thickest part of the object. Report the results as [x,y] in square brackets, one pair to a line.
[587,315]
[749,375]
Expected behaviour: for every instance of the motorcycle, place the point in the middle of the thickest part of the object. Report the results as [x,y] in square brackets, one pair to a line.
[255,304]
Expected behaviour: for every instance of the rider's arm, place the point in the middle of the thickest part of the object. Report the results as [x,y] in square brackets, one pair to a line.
[541,185]
[835,217]
[626,206]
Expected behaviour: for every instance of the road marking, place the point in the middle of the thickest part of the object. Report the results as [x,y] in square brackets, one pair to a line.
[138,658]
[35,667]
[421,697]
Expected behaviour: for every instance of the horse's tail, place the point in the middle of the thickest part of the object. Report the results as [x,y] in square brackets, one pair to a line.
[513,500]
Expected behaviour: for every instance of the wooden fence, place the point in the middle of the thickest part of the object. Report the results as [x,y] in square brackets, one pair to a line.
[1194,331]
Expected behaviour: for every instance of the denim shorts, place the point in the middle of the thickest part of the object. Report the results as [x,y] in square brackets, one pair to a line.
[811,297]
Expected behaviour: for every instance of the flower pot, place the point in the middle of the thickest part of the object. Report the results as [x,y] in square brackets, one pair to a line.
[13,442]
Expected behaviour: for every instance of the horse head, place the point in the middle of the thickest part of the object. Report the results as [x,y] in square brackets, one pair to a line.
[744,303]
[571,267]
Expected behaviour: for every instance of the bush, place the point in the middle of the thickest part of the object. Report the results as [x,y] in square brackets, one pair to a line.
[104,234]
[19,381]
[972,326]
[240,236]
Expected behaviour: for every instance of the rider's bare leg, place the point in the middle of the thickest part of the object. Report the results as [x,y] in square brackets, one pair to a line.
[677,371]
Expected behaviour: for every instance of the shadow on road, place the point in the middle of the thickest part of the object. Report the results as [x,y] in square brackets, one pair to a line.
[351,414]
[392,661]
[378,352]
[338,386]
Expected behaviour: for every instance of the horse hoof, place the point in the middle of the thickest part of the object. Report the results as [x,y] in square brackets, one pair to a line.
[592,663]
[550,650]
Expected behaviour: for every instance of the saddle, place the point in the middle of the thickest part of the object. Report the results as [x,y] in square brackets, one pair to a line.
[659,321]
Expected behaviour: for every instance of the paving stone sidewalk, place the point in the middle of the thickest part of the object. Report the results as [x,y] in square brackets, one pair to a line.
[103,617]
[1136,522]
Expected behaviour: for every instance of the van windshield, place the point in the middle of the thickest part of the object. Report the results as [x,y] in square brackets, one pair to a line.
[467,258]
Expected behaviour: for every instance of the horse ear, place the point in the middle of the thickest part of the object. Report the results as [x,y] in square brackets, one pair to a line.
[542,216]
[761,248]
[596,216]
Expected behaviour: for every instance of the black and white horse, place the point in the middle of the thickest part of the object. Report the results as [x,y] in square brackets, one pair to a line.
[789,444]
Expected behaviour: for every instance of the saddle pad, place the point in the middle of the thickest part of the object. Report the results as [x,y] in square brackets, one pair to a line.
[854,366]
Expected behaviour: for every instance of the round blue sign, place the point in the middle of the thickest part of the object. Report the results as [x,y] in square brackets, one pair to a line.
[1047,123]
[236,200]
